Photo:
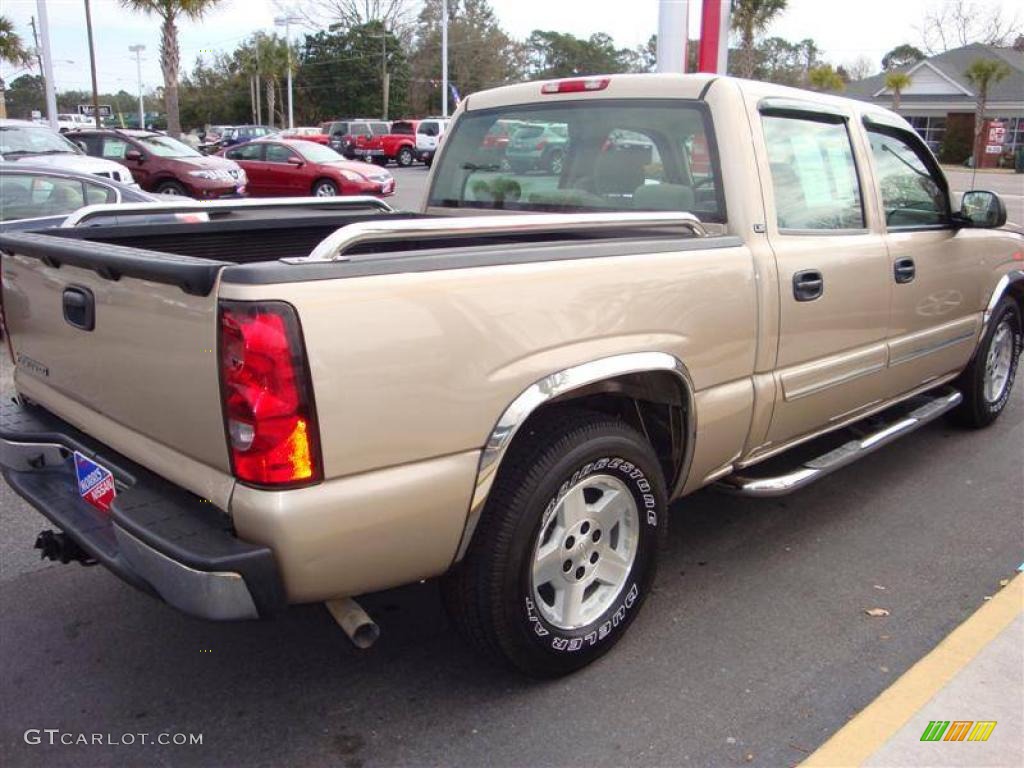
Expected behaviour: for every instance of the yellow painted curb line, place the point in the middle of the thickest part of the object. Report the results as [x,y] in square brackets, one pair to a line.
[881,719]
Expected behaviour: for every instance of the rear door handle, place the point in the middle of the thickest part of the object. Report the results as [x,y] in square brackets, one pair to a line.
[904,270]
[808,285]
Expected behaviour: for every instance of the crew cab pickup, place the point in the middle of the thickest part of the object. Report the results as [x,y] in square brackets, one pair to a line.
[292,403]
[398,145]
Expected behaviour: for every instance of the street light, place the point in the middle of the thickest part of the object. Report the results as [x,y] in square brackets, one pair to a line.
[137,50]
[286,22]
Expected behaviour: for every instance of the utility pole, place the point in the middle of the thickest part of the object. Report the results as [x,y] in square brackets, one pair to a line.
[444,58]
[35,39]
[92,67]
[51,95]
[385,77]
[137,50]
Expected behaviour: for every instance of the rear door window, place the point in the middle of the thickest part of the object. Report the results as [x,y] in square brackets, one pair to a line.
[814,177]
[246,152]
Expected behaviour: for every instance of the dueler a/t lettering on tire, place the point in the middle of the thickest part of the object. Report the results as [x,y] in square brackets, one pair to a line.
[566,548]
[988,379]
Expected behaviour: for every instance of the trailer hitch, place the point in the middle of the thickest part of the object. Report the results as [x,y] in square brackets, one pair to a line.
[59,547]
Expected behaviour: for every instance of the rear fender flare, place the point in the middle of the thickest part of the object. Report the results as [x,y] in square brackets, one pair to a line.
[557,385]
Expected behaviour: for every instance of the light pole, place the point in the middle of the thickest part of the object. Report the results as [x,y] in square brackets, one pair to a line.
[44,36]
[444,58]
[286,22]
[137,50]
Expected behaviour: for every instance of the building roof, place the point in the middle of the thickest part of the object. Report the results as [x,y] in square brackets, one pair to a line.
[941,77]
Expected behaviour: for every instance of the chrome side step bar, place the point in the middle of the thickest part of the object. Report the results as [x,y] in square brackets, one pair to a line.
[744,485]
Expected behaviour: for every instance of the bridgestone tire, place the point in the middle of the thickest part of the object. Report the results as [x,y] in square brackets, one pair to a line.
[490,595]
[976,410]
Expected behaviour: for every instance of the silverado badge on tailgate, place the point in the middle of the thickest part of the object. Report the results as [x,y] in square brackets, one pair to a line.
[95,483]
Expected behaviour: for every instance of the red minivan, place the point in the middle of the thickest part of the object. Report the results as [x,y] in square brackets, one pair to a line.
[288,167]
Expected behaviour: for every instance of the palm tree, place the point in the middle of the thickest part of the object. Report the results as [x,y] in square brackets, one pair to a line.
[12,50]
[751,17]
[169,12]
[273,65]
[897,82]
[983,74]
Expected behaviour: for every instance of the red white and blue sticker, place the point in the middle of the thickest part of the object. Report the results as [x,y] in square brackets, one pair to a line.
[95,483]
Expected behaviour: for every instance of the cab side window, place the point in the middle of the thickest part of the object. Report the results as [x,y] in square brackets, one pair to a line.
[814,177]
[911,195]
[279,154]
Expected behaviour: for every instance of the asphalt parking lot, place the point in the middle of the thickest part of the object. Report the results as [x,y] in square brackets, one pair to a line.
[753,649]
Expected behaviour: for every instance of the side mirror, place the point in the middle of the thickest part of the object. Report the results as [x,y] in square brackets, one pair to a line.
[982,209]
[133,154]
[298,162]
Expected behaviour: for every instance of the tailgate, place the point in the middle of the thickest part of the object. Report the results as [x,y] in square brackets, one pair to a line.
[120,342]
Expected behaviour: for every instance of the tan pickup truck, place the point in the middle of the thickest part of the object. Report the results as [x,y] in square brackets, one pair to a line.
[293,402]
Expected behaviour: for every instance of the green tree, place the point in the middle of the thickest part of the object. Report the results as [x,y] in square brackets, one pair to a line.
[340,73]
[480,53]
[777,60]
[897,82]
[749,19]
[24,94]
[13,51]
[902,56]
[556,54]
[825,78]
[273,69]
[983,74]
[169,11]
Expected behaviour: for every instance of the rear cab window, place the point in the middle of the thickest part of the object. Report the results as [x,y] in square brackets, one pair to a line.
[402,128]
[604,155]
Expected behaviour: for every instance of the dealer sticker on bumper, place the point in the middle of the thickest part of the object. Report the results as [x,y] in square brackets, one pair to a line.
[95,483]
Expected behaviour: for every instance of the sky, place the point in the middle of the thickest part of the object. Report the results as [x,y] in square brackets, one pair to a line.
[844,29]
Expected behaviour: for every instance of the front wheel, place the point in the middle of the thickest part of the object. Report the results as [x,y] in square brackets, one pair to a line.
[988,380]
[171,188]
[405,157]
[325,188]
[565,551]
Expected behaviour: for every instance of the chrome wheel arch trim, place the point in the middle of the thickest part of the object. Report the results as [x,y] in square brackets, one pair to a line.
[1011,277]
[556,385]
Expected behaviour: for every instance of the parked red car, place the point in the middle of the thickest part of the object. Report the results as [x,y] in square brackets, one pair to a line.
[305,133]
[287,167]
[397,146]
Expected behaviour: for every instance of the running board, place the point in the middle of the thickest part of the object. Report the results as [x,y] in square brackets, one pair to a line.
[744,485]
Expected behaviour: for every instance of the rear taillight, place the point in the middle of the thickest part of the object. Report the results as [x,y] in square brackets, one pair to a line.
[576,86]
[540,145]
[271,424]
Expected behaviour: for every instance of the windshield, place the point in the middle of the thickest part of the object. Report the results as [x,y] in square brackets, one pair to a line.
[23,140]
[608,155]
[317,153]
[165,146]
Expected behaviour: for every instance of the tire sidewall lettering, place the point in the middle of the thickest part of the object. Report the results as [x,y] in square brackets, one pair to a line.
[558,640]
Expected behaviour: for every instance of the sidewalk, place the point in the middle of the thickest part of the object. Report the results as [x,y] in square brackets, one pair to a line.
[975,674]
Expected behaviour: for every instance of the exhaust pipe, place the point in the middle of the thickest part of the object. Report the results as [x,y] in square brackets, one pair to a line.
[59,547]
[357,624]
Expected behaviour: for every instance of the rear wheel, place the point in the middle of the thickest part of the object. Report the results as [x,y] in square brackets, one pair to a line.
[405,157]
[988,380]
[565,551]
[325,188]
[171,188]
